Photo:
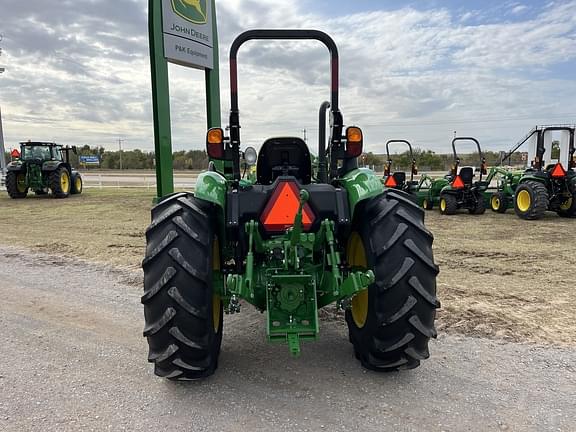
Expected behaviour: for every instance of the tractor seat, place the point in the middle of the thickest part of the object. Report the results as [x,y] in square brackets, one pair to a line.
[467,175]
[286,156]
[400,178]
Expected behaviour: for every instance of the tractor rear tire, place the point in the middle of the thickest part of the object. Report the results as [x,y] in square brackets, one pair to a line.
[391,323]
[427,204]
[182,313]
[499,202]
[15,185]
[59,182]
[479,208]
[448,204]
[77,184]
[531,200]
[568,210]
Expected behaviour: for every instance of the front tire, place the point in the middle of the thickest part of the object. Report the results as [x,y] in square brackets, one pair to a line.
[182,312]
[77,184]
[16,184]
[391,323]
[427,204]
[499,202]
[531,200]
[59,182]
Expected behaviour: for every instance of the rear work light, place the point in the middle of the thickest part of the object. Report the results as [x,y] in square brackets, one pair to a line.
[215,143]
[558,171]
[458,183]
[282,207]
[354,141]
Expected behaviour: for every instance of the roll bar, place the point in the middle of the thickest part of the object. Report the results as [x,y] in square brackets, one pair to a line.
[457,159]
[336,121]
[413,169]
[322,162]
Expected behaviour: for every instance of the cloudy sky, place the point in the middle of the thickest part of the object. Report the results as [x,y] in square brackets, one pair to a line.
[77,71]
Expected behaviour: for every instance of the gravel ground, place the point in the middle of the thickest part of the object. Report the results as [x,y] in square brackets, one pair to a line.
[73,358]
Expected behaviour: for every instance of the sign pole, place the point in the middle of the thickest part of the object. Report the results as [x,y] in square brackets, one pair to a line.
[2,149]
[161,102]
[213,79]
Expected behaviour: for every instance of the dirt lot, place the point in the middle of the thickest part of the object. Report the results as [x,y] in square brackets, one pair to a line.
[500,277]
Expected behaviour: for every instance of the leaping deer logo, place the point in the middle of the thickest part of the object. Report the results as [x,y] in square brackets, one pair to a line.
[191,10]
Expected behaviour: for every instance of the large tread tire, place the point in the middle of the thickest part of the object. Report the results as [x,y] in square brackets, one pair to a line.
[499,202]
[402,301]
[179,305]
[451,206]
[570,211]
[12,185]
[77,184]
[539,200]
[59,190]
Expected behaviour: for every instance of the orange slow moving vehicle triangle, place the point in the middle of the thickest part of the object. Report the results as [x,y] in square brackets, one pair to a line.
[458,183]
[391,182]
[558,171]
[281,210]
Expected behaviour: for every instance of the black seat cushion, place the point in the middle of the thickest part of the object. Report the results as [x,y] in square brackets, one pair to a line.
[286,156]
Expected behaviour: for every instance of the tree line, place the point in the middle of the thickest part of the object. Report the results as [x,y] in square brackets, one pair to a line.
[198,159]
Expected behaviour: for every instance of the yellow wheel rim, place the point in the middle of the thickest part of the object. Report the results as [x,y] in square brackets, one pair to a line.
[425,204]
[21,183]
[443,204]
[216,300]
[495,203]
[567,205]
[65,181]
[78,184]
[356,256]
[524,201]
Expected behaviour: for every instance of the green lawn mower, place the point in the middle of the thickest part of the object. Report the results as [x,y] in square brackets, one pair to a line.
[548,186]
[397,179]
[43,167]
[289,244]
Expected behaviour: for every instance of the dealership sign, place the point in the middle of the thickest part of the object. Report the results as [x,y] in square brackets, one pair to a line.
[188,33]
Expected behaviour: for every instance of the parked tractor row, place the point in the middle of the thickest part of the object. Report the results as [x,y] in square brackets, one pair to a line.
[531,192]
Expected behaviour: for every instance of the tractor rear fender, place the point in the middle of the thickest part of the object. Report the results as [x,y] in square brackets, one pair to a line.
[16,166]
[211,186]
[361,184]
[536,178]
[50,166]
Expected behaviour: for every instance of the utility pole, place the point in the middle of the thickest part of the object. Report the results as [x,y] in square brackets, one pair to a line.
[2,149]
[120,141]
[305,131]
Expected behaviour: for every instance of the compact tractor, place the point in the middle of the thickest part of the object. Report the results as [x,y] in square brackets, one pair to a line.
[289,244]
[548,186]
[43,167]
[502,198]
[397,179]
[457,189]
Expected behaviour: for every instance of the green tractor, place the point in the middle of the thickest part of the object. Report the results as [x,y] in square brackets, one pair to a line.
[548,187]
[462,192]
[502,198]
[43,167]
[428,190]
[397,180]
[289,244]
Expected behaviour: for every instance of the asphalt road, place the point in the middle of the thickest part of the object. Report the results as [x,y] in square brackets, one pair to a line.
[73,359]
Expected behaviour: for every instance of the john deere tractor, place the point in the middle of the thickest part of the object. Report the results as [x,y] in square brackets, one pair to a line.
[462,191]
[43,167]
[549,186]
[397,180]
[288,245]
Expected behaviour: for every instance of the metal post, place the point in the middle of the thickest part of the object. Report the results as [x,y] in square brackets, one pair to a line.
[2,149]
[161,102]
[120,141]
[213,79]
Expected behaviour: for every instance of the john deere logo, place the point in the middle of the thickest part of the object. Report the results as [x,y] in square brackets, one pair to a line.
[191,10]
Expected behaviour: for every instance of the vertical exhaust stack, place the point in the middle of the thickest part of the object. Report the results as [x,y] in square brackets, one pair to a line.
[322,161]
